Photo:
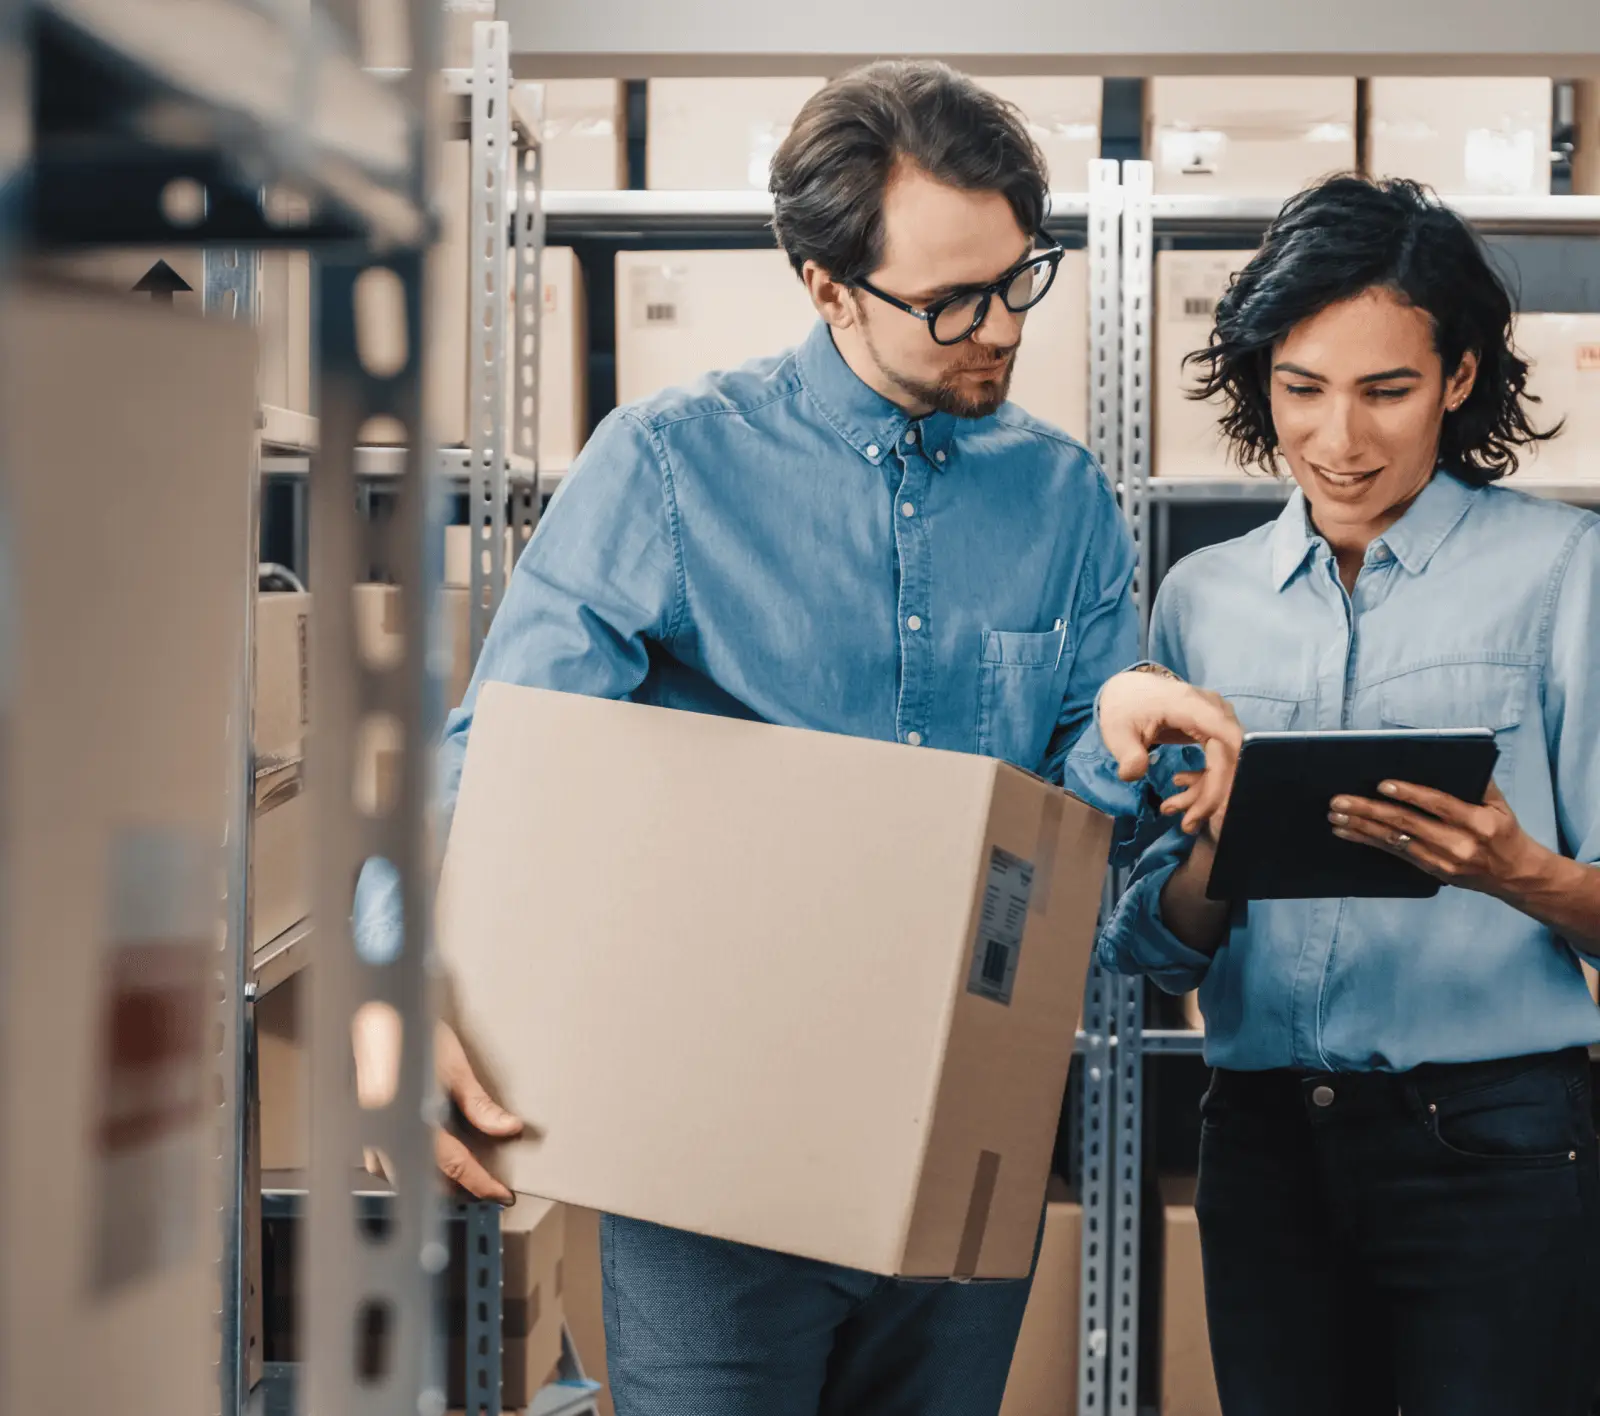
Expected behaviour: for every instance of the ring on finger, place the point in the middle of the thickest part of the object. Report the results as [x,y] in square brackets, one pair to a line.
[1402,841]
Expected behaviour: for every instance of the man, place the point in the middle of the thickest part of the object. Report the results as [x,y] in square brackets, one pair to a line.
[859,536]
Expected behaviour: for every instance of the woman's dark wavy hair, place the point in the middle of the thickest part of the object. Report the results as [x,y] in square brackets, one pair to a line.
[1330,243]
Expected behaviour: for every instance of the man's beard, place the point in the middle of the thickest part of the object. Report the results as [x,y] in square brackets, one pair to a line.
[949,395]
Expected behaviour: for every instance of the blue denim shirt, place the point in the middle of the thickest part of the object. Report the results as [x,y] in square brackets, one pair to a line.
[781,543]
[1474,610]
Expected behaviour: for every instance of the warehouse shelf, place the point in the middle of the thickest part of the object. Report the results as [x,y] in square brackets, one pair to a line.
[1182,1042]
[644,214]
[283,431]
[387,464]
[131,98]
[1197,490]
[1207,215]
[278,960]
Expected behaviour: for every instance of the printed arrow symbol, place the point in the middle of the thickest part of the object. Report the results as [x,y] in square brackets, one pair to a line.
[161,283]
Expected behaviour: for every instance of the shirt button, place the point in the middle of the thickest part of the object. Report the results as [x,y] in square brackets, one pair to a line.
[913,622]
[914,738]
[872,449]
[938,456]
[906,509]
[911,436]
[1323,1096]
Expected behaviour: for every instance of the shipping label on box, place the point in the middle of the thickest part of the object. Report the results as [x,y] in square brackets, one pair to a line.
[867,1081]
[1188,436]
[1563,352]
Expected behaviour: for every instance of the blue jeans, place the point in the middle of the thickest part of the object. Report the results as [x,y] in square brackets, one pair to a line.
[1428,1240]
[702,1327]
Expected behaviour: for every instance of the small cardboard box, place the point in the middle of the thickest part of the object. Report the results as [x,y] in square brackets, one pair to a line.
[681,314]
[1051,379]
[533,1260]
[1063,118]
[1044,1368]
[283,682]
[1247,136]
[1188,1384]
[585,135]
[718,135]
[1564,351]
[1462,137]
[825,1041]
[1188,441]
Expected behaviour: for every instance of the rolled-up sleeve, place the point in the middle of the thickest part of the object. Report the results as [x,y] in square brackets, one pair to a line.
[1136,940]
[595,587]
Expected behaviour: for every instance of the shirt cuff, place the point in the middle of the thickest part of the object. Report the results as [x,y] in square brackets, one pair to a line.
[1136,939]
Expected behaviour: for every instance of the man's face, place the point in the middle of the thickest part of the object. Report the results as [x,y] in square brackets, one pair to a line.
[938,239]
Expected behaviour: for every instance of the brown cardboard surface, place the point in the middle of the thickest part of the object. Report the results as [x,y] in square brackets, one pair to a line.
[121,692]
[1188,285]
[380,636]
[716,134]
[281,855]
[1564,351]
[286,330]
[1051,378]
[1188,1386]
[582,1297]
[1462,137]
[585,135]
[283,693]
[681,314]
[1044,1368]
[1586,137]
[798,1060]
[284,1077]
[1248,136]
[1063,118]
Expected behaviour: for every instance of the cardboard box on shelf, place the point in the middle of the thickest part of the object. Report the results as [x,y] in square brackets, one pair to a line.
[877,1084]
[1051,380]
[1187,440]
[585,135]
[120,752]
[1462,137]
[1564,351]
[1248,136]
[281,885]
[533,1258]
[283,675]
[283,1076]
[681,314]
[583,1301]
[1044,1368]
[380,633]
[1188,1384]
[564,334]
[716,135]
[1063,118]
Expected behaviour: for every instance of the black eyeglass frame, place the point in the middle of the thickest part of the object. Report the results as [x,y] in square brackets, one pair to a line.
[986,293]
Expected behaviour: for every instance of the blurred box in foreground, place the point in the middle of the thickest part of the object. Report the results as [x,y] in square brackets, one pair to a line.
[820,1044]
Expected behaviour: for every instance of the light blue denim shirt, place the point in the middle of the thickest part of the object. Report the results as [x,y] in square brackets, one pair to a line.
[781,543]
[1475,610]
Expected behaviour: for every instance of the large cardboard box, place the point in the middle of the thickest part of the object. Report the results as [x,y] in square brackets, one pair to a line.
[1564,351]
[1051,379]
[1246,136]
[1188,1383]
[1462,137]
[714,135]
[564,334]
[1044,1368]
[533,1260]
[1187,440]
[1063,118]
[120,743]
[820,1042]
[283,675]
[585,135]
[681,314]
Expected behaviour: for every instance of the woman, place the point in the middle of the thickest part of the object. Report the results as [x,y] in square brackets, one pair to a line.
[1399,1193]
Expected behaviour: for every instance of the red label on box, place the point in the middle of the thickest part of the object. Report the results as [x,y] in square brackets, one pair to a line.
[1589,358]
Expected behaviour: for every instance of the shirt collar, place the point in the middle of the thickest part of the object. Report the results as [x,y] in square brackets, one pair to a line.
[1412,540]
[860,415]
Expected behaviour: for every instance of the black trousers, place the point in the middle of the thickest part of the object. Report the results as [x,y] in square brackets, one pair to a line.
[1426,1241]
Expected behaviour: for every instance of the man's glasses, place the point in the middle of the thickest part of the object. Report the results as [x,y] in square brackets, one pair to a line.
[958,316]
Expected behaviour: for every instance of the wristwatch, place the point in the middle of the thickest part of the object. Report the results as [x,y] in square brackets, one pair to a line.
[1160,670]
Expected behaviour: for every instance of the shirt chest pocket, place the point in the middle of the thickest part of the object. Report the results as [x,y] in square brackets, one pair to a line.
[1022,678]
[1472,695]
[1265,712]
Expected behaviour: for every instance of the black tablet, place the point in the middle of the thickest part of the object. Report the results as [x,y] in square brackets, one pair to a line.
[1277,842]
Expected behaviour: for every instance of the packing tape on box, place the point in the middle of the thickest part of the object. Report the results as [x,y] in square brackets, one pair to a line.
[978,1207]
[1044,851]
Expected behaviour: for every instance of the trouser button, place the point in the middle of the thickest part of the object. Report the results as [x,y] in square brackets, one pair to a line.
[1323,1096]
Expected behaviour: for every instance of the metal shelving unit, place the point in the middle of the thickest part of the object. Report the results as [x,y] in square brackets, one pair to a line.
[1147,219]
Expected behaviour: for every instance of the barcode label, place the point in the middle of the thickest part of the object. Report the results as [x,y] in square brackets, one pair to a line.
[660,312]
[657,295]
[1199,307]
[998,946]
